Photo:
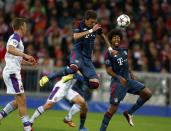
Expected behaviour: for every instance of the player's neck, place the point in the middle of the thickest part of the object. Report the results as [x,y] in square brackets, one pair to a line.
[115,47]
[18,32]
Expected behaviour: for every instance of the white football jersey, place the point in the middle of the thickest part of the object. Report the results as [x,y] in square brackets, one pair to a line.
[13,63]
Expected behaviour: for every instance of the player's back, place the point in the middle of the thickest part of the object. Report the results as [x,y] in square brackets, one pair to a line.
[13,63]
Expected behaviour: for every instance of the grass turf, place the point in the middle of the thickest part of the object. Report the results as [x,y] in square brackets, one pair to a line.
[53,121]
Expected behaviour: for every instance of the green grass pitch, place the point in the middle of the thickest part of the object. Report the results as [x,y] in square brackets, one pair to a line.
[53,121]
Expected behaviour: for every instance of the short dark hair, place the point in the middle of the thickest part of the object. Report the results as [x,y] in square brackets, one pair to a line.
[18,22]
[114,32]
[90,14]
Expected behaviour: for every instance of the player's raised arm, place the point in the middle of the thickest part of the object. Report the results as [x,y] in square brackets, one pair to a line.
[82,34]
[112,52]
[86,26]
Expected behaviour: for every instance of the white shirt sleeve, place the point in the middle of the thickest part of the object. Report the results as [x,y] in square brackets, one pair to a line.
[13,42]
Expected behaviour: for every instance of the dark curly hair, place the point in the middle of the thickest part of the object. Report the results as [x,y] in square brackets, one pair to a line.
[114,32]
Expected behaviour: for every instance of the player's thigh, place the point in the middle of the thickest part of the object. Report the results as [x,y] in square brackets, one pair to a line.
[135,86]
[20,99]
[13,83]
[117,93]
[74,96]
[88,69]
[57,94]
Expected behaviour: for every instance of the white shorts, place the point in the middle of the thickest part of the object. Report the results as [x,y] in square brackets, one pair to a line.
[13,83]
[60,91]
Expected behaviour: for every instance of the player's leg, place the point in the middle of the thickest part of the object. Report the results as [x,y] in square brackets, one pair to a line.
[83,112]
[40,110]
[11,106]
[88,70]
[77,99]
[107,116]
[144,95]
[21,102]
[56,95]
[73,110]
[73,68]
[15,86]
[117,93]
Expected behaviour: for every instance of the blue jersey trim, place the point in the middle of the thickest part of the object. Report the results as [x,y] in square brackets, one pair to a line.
[16,37]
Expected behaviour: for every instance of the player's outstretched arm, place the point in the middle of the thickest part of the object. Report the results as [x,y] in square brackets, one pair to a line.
[12,50]
[112,52]
[82,34]
[28,63]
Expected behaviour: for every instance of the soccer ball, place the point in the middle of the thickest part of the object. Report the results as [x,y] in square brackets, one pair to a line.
[123,21]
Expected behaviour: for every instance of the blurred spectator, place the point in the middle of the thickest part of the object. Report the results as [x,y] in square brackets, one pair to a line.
[148,37]
[2,50]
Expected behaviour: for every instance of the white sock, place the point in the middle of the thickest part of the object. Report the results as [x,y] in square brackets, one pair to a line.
[7,109]
[26,123]
[37,113]
[74,109]
[1,117]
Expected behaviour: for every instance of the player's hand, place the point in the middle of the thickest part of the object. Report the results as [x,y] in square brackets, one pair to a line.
[34,64]
[29,58]
[99,31]
[112,51]
[123,81]
[96,27]
[44,80]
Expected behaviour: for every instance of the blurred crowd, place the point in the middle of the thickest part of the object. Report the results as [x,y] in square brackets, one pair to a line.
[49,37]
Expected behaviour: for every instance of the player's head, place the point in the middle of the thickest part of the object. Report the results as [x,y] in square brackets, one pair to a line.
[90,18]
[115,37]
[19,24]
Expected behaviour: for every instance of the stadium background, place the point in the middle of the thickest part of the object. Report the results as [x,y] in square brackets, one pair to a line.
[49,39]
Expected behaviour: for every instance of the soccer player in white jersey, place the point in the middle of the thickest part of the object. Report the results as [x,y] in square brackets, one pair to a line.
[14,57]
[61,90]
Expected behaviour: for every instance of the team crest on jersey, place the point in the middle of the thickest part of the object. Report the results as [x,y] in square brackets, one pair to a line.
[15,42]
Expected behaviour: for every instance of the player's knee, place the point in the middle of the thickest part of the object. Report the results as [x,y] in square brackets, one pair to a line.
[94,84]
[14,104]
[147,94]
[82,103]
[48,105]
[74,67]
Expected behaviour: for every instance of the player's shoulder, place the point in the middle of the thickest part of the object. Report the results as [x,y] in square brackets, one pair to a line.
[15,37]
[123,49]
